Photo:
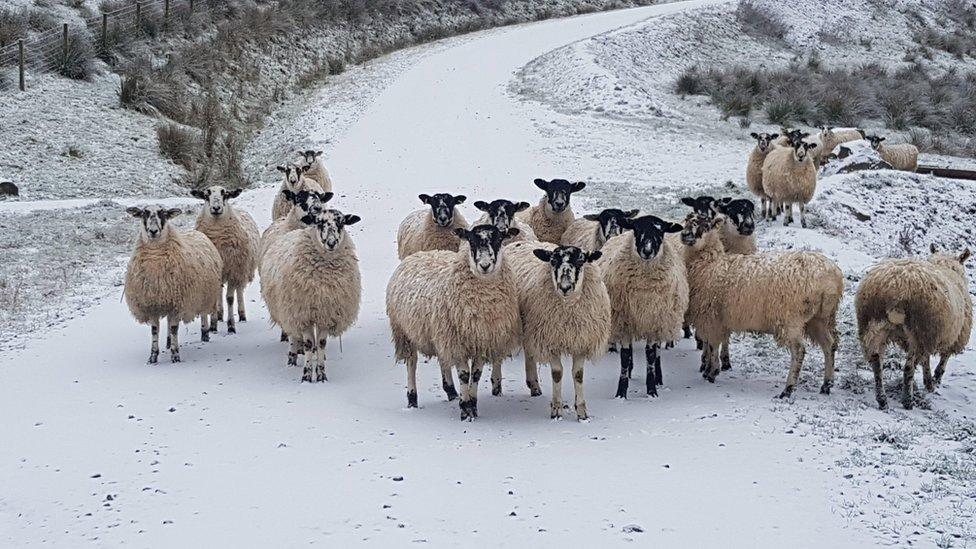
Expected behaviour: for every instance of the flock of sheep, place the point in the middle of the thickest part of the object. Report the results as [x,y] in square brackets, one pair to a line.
[540,280]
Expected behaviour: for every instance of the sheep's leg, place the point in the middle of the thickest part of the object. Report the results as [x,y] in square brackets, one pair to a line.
[556,367]
[580,400]
[650,379]
[532,376]
[706,360]
[879,392]
[908,382]
[174,342]
[787,213]
[626,365]
[496,378]
[308,338]
[927,374]
[154,348]
[464,376]
[219,317]
[204,328]
[412,380]
[284,336]
[320,361]
[658,374]
[714,366]
[764,209]
[687,331]
[231,328]
[294,349]
[447,381]
[940,369]
[830,352]
[803,215]
[699,343]
[724,355]
[241,316]
[797,353]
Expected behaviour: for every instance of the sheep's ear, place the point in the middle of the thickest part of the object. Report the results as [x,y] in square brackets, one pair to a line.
[481,205]
[592,217]
[577,187]
[671,227]
[459,199]
[593,256]
[862,132]
[773,136]
[282,169]
[542,184]
[351,219]
[318,153]
[461,233]
[630,214]
[134,211]
[724,201]
[964,255]
[809,146]
[932,248]
[425,198]
[308,219]
[304,169]
[511,233]
[880,139]
[172,212]
[289,196]
[202,195]
[543,255]
[233,194]
[754,135]
[688,201]
[522,206]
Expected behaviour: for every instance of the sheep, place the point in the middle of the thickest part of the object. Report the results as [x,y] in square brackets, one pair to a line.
[294,181]
[235,234]
[461,307]
[501,213]
[789,295]
[432,228]
[314,169]
[172,273]
[924,307]
[645,278]
[311,284]
[789,137]
[790,177]
[565,310]
[829,137]
[764,144]
[592,231]
[550,218]
[739,235]
[902,156]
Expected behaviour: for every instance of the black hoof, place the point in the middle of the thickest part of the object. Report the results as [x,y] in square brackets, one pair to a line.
[496,391]
[293,359]
[787,392]
[652,393]
[320,378]
[306,378]
[175,358]
[451,392]
[882,404]
[231,330]
[205,337]
[825,388]
[284,336]
[411,399]
[710,376]
[241,318]
[907,403]
[153,357]
[622,385]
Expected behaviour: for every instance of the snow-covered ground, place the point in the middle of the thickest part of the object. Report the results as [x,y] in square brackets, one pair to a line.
[227,447]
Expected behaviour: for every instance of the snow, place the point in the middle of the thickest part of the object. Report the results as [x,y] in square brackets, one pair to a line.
[228,447]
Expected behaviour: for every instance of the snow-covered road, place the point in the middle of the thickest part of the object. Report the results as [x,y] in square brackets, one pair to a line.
[229,448]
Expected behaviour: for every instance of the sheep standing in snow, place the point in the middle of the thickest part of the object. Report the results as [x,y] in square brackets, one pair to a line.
[789,295]
[565,310]
[645,278]
[461,307]
[550,218]
[313,167]
[173,274]
[310,281]
[924,307]
[592,231]
[790,177]
[432,228]
[294,181]
[764,144]
[739,235]
[502,214]
[235,234]
[902,156]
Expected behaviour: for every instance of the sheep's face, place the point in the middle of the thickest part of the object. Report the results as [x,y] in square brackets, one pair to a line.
[216,198]
[484,247]
[154,219]
[649,234]
[442,207]
[704,205]
[801,150]
[611,221]
[292,174]
[764,140]
[795,136]
[310,202]
[740,212]
[501,212]
[567,266]
[826,132]
[558,192]
[697,225]
[308,158]
[330,225]
[875,141]
[950,261]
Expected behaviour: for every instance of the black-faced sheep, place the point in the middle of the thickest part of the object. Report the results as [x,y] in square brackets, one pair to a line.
[902,156]
[432,228]
[502,214]
[314,168]
[790,177]
[294,180]
[764,144]
[592,231]
[550,218]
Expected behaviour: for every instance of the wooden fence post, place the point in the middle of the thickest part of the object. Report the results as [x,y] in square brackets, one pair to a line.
[64,43]
[23,65]
[104,32]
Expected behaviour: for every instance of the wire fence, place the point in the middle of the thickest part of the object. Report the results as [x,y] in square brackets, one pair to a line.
[49,51]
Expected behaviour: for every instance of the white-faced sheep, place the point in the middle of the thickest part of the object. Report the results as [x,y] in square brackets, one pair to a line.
[790,177]
[550,218]
[173,274]
[311,283]
[789,295]
[764,144]
[924,307]
[829,137]
[235,234]
[294,181]
[902,156]
[432,228]
[645,278]
[314,169]
[461,307]
[592,231]
[502,214]
[565,310]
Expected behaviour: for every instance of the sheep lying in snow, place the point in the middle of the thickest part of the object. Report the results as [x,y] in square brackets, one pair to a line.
[565,310]
[764,144]
[550,218]
[235,234]
[502,214]
[645,278]
[790,177]
[314,168]
[788,295]
[173,274]
[311,283]
[924,307]
[828,138]
[592,231]
[902,156]
[294,181]
[432,228]
[461,307]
